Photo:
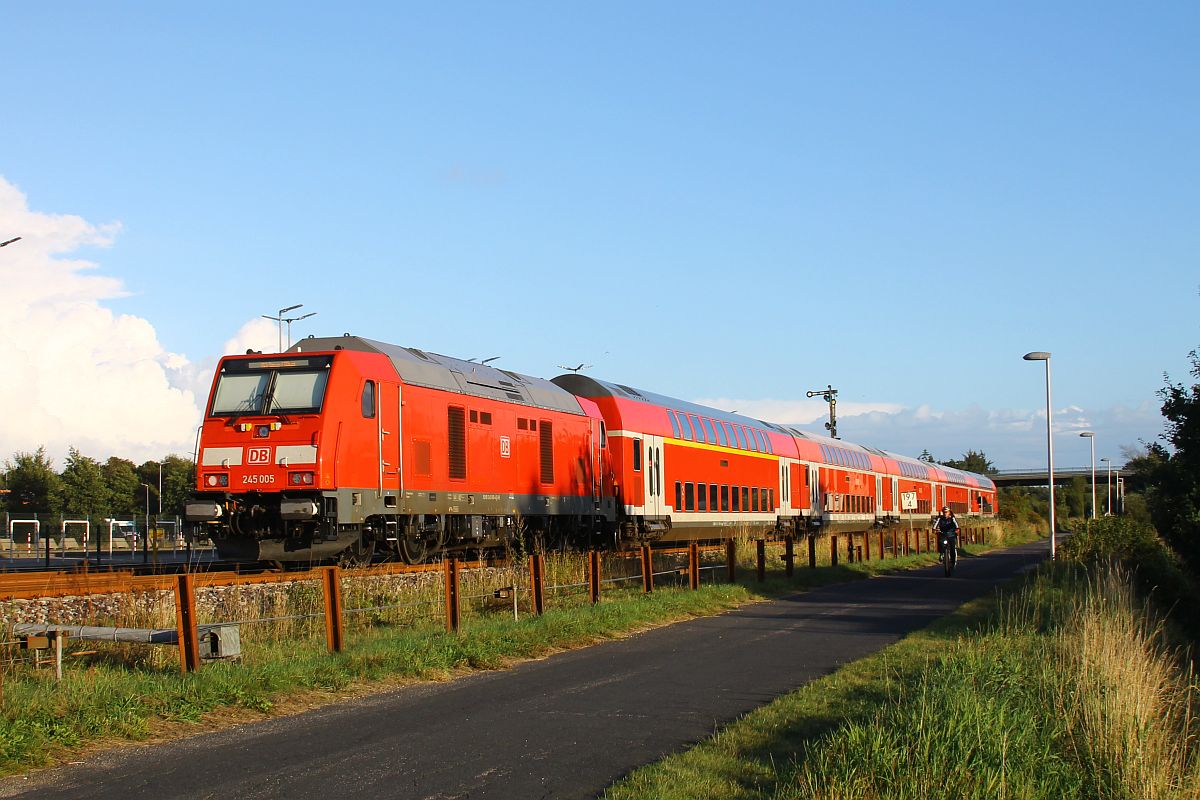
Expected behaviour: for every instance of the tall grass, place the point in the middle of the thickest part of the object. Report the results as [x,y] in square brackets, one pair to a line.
[1072,694]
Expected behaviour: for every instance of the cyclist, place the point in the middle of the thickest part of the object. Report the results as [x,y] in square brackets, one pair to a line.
[946,528]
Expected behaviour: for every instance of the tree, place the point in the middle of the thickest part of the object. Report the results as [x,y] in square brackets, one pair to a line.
[121,478]
[34,487]
[1076,496]
[1171,477]
[179,479]
[85,492]
[973,461]
[925,456]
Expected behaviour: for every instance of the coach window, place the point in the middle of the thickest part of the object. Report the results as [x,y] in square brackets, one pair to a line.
[712,497]
[737,432]
[368,400]
[729,434]
[637,455]
[721,440]
[737,506]
[674,424]
[701,498]
[689,497]
[754,499]
[712,435]
[686,427]
[695,424]
[770,499]
[603,436]
[745,498]
[724,497]
[678,496]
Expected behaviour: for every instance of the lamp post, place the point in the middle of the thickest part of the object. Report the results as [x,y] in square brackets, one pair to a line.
[1108,492]
[146,538]
[1091,437]
[279,319]
[1117,497]
[1039,355]
[289,322]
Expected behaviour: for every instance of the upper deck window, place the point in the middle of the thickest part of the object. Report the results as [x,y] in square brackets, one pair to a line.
[278,386]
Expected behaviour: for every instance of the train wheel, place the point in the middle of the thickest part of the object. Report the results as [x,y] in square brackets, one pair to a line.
[359,554]
[415,549]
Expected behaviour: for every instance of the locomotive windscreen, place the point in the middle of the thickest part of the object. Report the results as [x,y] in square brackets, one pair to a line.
[271,386]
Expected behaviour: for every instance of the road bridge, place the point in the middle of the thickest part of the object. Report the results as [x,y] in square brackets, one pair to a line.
[1062,475]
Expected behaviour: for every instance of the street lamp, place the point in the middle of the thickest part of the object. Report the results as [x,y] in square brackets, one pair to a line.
[10,241]
[1039,355]
[1091,437]
[290,320]
[279,319]
[1108,493]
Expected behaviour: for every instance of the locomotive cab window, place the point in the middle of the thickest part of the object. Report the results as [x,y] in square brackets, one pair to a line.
[368,400]
[271,386]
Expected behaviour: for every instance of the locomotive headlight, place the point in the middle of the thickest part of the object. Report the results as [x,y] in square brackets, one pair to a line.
[300,478]
[262,431]
[217,479]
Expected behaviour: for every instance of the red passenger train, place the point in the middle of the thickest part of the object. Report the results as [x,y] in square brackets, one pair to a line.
[344,447]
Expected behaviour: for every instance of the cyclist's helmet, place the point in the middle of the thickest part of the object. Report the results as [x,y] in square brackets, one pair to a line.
[945,509]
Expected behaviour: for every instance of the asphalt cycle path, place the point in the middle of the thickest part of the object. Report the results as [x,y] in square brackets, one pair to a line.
[566,726]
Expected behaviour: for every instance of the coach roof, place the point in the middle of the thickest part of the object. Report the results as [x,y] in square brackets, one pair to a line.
[419,368]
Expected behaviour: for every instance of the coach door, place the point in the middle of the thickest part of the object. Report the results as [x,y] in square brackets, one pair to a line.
[814,487]
[652,483]
[388,420]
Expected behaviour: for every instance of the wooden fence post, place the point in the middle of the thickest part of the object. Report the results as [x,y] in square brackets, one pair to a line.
[833,550]
[694,565]
[867,545]
[451,569]
[594,575]
[185,623]
[647,570]
[760,548]
[812,551]
[331,582]
[537,597]
[789,554]
[731,559]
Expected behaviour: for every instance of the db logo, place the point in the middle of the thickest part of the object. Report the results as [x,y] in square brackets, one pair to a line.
[258,455]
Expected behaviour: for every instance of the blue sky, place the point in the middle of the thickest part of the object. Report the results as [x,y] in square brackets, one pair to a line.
[729,203]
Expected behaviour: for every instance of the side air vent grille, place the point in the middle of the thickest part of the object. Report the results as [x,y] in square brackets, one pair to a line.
[546,446]
[457,430]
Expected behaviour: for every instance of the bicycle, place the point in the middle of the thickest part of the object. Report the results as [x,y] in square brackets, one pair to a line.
[949,553]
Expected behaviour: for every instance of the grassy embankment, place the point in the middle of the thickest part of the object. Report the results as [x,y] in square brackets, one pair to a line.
[1065,686]
[395,635]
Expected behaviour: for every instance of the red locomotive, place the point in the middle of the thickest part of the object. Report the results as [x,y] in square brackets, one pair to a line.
[344,447]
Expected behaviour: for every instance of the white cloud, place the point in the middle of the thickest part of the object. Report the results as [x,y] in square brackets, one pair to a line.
[76,374]
[1011,438]
[257,334]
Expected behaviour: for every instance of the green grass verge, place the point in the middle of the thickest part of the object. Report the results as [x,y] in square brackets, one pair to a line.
[1060,687]
[753,757]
